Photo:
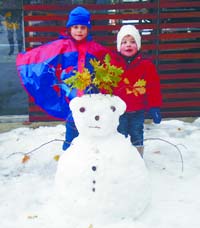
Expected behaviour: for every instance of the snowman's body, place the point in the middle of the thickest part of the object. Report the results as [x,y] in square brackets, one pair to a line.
[101,177]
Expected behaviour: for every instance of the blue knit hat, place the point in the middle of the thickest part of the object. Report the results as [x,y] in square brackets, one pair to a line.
[79,16]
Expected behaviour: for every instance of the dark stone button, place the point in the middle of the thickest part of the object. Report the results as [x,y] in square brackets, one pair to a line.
[93,189]
[94,168]
[94,182]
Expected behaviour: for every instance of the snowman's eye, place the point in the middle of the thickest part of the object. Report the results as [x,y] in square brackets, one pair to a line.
[82,109]
[113,108]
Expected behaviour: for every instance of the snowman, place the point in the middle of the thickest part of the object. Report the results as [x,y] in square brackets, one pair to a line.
[101,178]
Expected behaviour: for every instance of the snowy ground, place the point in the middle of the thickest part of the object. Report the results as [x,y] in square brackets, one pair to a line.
[172,156]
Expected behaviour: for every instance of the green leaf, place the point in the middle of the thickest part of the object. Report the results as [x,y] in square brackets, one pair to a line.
[106,76]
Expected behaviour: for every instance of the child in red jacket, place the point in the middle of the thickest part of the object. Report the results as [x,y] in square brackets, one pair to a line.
[139,87]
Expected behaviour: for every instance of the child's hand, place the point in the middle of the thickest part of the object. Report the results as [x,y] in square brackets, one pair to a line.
[156,115]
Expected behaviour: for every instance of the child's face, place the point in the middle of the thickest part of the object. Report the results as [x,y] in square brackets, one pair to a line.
[128,46]
[79,32]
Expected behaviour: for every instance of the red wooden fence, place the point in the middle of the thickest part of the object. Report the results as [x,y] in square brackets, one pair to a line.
[170,34]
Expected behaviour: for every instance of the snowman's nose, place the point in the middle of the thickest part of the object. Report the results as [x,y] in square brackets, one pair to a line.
[97,117]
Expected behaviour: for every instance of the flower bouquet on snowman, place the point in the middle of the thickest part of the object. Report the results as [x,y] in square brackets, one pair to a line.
[101,179]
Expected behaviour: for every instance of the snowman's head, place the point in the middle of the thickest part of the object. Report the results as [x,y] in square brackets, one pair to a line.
[97,114]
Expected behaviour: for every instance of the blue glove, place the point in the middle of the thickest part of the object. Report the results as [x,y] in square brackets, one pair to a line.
[156,115]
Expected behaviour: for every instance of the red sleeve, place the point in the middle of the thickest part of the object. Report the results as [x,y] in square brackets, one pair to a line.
[153,90]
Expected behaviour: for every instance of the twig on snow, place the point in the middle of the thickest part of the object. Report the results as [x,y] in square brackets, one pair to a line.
[174,145]
[37,148]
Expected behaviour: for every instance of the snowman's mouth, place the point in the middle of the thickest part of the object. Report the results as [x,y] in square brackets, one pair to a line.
[97,127]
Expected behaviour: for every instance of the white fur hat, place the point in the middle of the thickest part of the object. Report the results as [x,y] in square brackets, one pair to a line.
[128,30]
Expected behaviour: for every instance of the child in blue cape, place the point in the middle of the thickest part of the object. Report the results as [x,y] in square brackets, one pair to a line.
[43,69]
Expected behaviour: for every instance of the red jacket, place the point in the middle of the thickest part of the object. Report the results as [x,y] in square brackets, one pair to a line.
[140,84]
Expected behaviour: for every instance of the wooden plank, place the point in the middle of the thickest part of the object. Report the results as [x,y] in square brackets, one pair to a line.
[179,56]
[42,118]
[47,17]
[134,5]
[34,108]
[181,104]
[171,46]
[44,28]
[107,16]
[36,112]
[181,95]
[178,66]
[94,17]
[40,38]
[179,85]
[184,15]
[180,113]
[179,76]
[179,25]
[96,7]
[174,36]
[174,46]
[181,4]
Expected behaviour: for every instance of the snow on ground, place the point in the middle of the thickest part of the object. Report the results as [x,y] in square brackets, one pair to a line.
[172,156]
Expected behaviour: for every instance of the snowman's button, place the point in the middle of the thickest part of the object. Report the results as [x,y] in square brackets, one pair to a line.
[113,108]
[97,117]
[94,182]
[93,189]
[94,168]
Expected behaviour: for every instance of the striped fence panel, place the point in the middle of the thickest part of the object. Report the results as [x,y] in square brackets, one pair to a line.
[170,35]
